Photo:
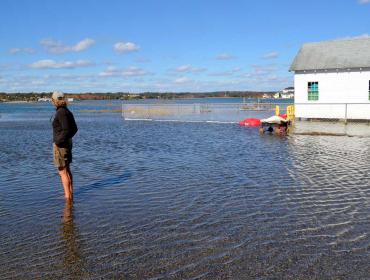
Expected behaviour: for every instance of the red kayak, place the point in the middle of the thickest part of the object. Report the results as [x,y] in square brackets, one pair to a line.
[284,116]
[250,122]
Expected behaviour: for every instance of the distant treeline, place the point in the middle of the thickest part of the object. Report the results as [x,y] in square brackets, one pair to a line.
[128,96]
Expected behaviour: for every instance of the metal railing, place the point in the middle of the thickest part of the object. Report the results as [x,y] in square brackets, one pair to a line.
[324,119]
[200,112]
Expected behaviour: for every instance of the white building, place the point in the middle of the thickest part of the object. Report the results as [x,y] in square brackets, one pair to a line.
[44,99]
[287,93]
[332,80]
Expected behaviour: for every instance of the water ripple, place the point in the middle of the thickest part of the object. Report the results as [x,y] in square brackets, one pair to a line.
[183,201]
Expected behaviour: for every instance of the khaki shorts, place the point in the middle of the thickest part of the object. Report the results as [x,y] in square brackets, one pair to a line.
[62,156]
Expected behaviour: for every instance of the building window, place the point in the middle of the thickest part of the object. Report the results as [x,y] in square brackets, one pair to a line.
[313,91]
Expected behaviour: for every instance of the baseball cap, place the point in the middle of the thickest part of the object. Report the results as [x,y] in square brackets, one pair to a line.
[57,95]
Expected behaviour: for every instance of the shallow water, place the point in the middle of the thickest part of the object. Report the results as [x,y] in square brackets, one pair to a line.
[181,201]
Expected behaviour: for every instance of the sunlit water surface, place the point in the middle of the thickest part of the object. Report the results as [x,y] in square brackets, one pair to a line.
[181,201]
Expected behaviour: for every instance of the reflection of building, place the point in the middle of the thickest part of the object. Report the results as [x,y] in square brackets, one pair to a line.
[332,79]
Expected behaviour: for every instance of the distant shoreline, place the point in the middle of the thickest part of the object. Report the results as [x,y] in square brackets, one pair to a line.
[153,99]
[34,97]
[17,102]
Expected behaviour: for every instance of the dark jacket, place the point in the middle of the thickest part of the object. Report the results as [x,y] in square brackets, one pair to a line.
[64,127]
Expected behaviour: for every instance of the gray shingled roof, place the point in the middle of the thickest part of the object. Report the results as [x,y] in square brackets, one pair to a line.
[339,54]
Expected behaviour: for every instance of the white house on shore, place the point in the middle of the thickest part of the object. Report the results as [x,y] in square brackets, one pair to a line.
[332,80]
[286,93]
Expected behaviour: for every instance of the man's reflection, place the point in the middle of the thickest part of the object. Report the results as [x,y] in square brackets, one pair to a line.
[73,262]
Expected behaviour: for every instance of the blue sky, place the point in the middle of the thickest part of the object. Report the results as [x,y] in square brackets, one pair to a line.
[164,45]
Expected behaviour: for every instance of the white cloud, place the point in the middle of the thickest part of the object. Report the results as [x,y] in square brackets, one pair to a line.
[364,2]
[266,77]
[125,47]
[83,45]
[271,55]
[70,77]
[225,56]
[362,36]
[110,72]
[142,60]
[126,72]
[227,73]
[272,78]
[259,70]
[38,82]
[57,47]
[134,71]
[184,68]
[52,64]
[90,82]
[21,50]
[189,69]
[183,80]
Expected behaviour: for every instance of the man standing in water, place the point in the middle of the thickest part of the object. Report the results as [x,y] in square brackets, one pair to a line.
[64,128]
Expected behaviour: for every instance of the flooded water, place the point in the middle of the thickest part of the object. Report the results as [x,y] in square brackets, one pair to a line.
[166,200]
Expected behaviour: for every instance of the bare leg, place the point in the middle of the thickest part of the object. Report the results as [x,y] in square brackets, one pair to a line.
[66,181]
[71,180]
